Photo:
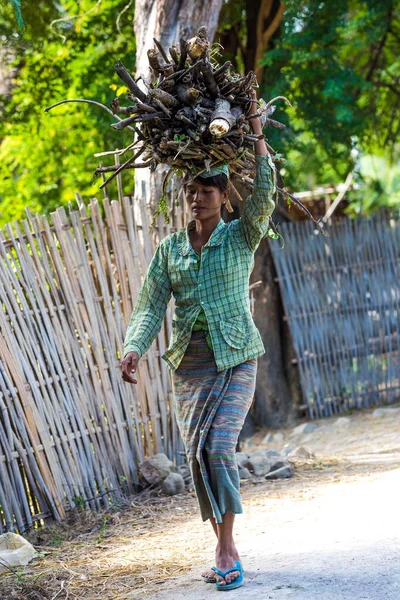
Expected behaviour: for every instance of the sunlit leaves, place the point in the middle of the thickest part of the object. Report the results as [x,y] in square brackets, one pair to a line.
[46,158]
[338,64]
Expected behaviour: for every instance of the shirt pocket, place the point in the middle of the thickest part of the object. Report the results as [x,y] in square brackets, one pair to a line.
[236,331]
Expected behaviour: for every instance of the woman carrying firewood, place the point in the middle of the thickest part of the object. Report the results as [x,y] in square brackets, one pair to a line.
[215,343]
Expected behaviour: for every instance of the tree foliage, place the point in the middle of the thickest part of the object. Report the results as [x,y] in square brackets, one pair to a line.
[338,63]
[332,59]
[46,158]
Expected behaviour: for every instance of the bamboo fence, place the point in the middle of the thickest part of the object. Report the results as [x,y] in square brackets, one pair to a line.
[341,296]
[72,432]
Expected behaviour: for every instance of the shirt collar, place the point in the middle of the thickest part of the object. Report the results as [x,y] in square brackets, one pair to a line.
[216,237]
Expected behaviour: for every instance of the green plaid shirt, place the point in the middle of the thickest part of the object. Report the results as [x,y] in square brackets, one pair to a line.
[217,282]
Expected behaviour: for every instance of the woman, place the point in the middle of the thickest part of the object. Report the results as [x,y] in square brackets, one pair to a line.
[214,345]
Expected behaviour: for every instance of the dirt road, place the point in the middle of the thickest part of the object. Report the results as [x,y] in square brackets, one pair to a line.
[337,539]
[341,542]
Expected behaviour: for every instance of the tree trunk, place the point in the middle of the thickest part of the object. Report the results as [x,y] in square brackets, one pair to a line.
[278,390]
[167,21]
[273,398]
[263,19]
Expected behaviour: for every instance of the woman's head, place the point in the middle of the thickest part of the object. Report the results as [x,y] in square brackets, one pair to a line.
[206,195]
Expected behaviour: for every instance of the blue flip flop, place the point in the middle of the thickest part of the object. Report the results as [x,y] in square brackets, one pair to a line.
[236,583]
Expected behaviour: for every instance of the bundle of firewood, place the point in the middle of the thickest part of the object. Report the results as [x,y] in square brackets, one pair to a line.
[192,116]
[195,113]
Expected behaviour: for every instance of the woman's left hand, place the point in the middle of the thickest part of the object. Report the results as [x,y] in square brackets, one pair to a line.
[259,147]
[255,123]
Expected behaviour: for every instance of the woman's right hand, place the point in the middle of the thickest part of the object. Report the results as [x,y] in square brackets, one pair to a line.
[128,366]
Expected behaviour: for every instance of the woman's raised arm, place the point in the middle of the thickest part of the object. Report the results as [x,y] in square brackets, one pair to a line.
[259,206]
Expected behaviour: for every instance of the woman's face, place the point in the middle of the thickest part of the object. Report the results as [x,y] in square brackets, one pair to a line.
[204,200]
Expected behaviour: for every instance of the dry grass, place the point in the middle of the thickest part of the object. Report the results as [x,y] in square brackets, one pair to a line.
[105,555]
[124,553]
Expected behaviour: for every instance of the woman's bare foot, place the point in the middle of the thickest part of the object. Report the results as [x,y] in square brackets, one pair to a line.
[225,558]
[210,574]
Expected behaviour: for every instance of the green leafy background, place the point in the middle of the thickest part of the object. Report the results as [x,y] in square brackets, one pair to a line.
[338,63]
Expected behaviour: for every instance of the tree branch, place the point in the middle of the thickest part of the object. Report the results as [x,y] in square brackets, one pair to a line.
[380,48]
[90,102]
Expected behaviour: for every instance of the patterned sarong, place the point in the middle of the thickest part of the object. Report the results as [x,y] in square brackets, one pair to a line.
[211,407]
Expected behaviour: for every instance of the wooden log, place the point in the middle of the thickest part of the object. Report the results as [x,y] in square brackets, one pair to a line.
[162,51]
[125,122]
[187,95]
[209,80]
[183,54]
[221,119]
[174,54]
[166,98]
[227,150]
[222,69]
[158,63]
[128,79]
[118,109]
[144,118]
[232,85]
[274,123]
[198,46]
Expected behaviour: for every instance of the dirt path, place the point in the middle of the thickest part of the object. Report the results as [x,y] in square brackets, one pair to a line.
[339,541]
[331,532]
[333,537]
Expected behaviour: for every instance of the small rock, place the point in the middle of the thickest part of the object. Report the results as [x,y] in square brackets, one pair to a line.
[184,470]
[272,452]
[341,422]
[258,463]
[259,452]
[278,437]
[156,468]
[276,460]
[300,452]
[241,458]
[267,439]
[386,411]
[173,484]
[244,473]
[287,449]
[304,428]
[281,473]
[247,445]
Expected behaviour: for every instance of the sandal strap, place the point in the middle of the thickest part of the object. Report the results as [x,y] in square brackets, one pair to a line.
[224,573]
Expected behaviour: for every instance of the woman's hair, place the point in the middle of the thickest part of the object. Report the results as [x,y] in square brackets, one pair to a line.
[219,181]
